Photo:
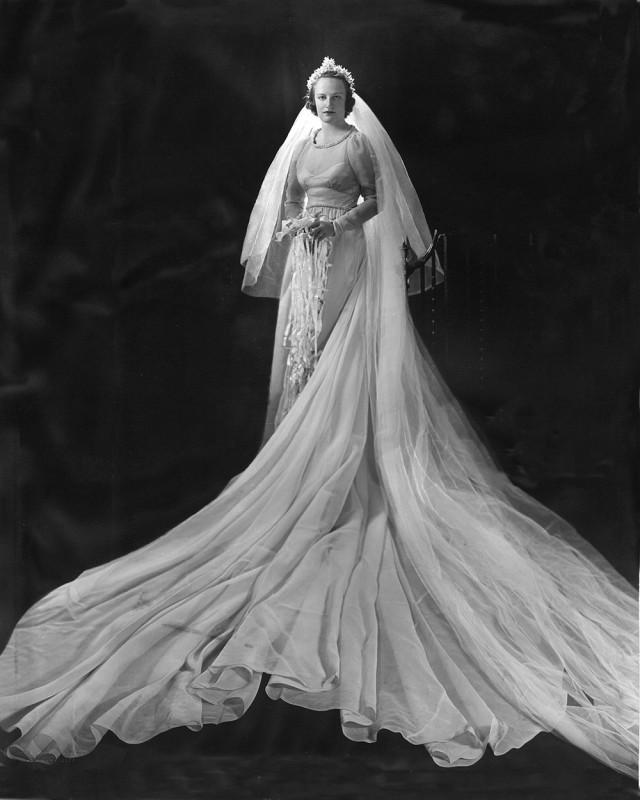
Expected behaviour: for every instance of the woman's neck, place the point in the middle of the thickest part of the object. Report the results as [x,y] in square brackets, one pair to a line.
[330,131]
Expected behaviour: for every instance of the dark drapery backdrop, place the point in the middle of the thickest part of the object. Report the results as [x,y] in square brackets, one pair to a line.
[134,137]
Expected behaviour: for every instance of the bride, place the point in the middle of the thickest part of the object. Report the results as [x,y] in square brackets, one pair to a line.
[371,559]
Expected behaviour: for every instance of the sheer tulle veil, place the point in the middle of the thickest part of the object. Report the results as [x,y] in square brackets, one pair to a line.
[489,556]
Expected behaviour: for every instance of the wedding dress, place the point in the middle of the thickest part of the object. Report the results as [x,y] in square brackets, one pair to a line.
[371,559]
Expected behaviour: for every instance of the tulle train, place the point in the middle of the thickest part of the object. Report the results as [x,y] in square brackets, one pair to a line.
[451,617]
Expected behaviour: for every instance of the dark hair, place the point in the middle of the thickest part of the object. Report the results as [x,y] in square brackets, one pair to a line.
[349,100]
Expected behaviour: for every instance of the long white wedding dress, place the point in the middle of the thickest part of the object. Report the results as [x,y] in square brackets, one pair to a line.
[370,559]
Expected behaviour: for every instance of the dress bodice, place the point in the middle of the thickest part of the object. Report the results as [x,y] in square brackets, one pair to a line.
[331,177]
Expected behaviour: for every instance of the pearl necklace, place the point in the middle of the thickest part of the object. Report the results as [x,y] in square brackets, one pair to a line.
[337,141]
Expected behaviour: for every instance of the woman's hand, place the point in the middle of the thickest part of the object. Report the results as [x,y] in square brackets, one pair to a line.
[321,229]
[288,229]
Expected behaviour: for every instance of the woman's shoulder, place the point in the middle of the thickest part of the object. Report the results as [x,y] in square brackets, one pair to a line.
[359,147]
[358,136]
[358,141]
[302,144]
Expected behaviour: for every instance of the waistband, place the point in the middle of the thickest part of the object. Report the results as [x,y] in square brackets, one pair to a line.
[329,211]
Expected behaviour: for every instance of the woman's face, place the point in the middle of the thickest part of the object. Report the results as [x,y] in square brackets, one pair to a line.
[330,95]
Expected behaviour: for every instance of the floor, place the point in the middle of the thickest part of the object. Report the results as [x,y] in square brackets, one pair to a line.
[176,766]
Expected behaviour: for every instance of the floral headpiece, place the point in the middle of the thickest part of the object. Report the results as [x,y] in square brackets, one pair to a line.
[329,65]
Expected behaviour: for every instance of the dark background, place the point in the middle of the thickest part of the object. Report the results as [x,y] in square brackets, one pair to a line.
[133,140]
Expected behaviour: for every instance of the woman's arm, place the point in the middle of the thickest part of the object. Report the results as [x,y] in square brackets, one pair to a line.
[294,193]
[362,165]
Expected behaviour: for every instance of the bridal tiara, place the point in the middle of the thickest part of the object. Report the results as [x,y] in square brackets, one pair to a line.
[329,65]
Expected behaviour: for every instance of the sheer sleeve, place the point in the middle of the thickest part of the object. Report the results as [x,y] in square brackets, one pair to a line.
[294,193]
[363,167]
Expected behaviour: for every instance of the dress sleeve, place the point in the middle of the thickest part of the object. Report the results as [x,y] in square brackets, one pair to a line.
[294,193]
[363,167]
